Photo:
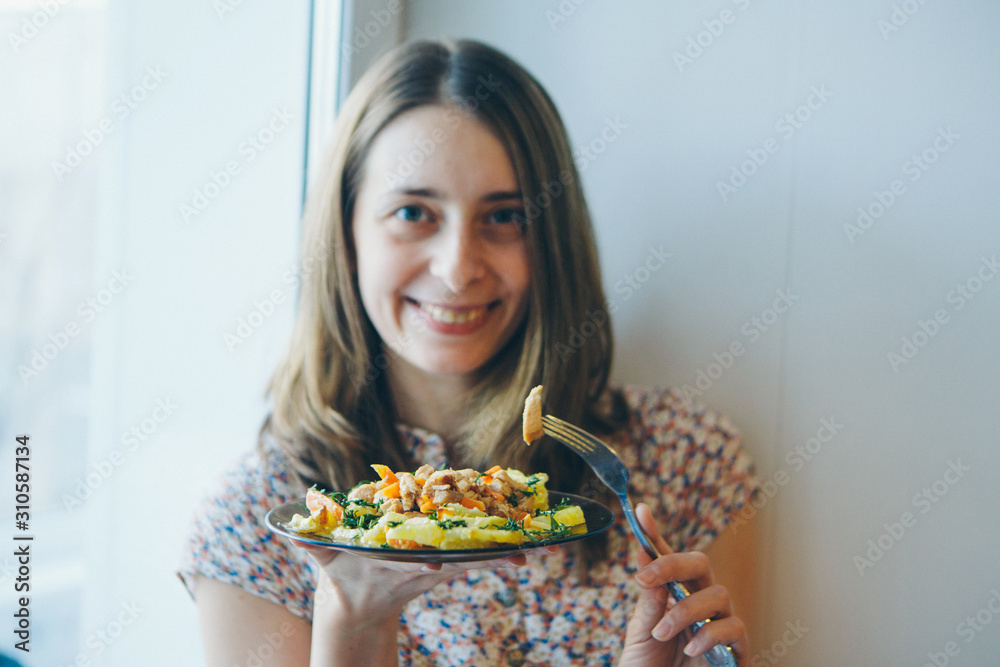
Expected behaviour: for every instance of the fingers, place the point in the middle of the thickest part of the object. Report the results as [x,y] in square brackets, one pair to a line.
[691,566]
[712,602]
[648,524]
[726,631]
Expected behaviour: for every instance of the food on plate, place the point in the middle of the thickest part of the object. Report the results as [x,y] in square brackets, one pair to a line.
[441,509]
[532,419]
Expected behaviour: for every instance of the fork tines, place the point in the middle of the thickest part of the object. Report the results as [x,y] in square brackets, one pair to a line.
[567,434]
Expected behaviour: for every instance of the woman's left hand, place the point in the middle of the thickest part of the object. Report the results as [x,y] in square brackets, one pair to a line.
[658,631]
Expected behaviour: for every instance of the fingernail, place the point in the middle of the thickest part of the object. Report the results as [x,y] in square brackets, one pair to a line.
[689,649]
[646,577]
[663,630]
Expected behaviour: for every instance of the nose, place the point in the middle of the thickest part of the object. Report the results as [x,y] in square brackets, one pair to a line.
[457,259]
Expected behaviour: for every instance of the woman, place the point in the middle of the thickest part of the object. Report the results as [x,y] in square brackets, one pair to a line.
[457,269]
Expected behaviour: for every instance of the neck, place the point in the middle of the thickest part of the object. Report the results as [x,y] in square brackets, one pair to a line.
[433,402]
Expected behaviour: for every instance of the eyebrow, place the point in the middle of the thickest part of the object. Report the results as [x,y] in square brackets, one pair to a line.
[434,194]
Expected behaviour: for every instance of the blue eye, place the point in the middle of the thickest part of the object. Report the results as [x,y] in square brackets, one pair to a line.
[410,213]
[507,216]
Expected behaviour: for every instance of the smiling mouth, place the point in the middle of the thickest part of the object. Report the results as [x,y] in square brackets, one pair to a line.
[446,315]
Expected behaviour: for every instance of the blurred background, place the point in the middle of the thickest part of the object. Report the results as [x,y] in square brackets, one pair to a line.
[824,178]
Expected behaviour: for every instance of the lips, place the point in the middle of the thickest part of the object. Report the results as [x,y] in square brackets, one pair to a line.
[453,319]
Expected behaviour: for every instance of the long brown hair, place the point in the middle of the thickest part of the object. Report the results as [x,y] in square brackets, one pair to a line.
[333,414]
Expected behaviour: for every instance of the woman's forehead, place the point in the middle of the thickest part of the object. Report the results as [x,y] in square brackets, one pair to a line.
[441,149]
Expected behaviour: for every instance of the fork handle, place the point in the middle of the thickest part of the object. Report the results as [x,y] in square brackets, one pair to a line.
[717,656]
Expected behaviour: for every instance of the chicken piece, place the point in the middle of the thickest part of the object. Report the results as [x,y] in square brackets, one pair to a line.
[465,478]
[391,505]
[525,503]
[532,419]
[365,492]
[441,488]
[442,494]
[424,471]
[409,490]
[497,507]
[509,481]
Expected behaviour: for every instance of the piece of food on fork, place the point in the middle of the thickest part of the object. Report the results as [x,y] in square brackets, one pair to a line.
[532,418]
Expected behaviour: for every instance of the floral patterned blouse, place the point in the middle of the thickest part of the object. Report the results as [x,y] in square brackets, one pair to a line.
[686,462]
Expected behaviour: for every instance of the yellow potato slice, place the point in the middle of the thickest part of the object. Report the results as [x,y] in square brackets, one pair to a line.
[570,516]
[420,530]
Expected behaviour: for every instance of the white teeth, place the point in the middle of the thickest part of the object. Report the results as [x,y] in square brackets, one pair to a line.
[449,316]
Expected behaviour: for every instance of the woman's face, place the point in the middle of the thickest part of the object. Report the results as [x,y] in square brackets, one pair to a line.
[438,233]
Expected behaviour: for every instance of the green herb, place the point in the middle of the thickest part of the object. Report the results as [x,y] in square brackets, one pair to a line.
[362,521]
[534,479]
[364,503]
[511,524]
[563,504]
[393,524]
[452,523]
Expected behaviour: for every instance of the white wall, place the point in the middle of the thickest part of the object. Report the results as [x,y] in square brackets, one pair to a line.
[193,281]
[826,358]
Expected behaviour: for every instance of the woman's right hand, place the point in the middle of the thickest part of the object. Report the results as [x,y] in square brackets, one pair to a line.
[359,600]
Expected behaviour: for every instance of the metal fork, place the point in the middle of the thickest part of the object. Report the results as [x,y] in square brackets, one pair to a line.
[609,468]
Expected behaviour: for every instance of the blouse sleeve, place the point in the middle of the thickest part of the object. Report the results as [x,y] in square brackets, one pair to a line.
[693,467]
[229,542]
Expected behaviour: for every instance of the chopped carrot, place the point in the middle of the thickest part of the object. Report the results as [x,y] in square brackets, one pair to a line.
[486,479]
[383,471]
[325,505]
[404,544]
[523,518]
[473,504]
[493,470]
[496,494]
[427,505]
[391,491]
[420,481]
